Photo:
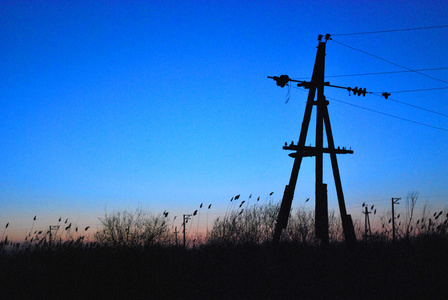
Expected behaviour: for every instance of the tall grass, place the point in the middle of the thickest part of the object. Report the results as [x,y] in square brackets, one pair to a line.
[133,255]
[244,223]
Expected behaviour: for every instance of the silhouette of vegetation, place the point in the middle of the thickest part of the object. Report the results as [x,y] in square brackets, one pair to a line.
[134,256]
[246,226]
[137,228]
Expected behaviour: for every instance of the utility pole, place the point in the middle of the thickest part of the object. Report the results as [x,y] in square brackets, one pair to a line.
[394,201]
[367,229]
[323,121]
[185,221]
[175,234]
[52,227]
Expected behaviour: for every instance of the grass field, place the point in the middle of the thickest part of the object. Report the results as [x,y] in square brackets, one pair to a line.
[134,257]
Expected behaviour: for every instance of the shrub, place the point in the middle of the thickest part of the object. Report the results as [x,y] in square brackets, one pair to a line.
[133,228]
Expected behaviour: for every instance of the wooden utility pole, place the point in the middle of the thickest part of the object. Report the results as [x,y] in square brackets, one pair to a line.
[51,228]
[367,229]
[185,221]
[175,234]
[322,121]
[394,201]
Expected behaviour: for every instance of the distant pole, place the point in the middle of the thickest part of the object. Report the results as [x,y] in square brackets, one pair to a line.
[185,221]
[52,227]
[394,201]
[367,225]
[367,229]
[175,233]
[183,224]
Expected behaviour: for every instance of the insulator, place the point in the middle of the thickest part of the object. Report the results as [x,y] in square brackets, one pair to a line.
[304,84]
[282,80]
[358,91]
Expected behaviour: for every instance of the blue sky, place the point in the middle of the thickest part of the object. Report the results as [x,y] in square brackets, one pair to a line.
[166,104]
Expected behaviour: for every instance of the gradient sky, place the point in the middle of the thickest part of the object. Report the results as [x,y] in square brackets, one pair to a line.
[166,104]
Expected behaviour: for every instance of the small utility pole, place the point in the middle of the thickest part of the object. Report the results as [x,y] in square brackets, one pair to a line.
[394,201]
[367,229]
[175,234]
[52,227]
[185,221]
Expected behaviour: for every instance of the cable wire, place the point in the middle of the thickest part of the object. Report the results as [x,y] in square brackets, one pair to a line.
[380,94]
[382,73]
[389,115]
[411,105]
[392,30]
[419,90]
[388,61]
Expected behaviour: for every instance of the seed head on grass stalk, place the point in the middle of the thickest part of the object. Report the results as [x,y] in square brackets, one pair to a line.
[234,202]
[228,207]
[267,197]
[4,230]
[199,218]
[207,218]
[32,226]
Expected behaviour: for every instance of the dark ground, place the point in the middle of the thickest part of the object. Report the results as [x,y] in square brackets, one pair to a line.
[405,270]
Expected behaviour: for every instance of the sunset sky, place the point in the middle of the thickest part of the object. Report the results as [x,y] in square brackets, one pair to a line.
[167,105]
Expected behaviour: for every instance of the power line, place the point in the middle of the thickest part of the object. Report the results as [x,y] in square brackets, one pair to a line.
[412,105]
[392,30]
[380,94]
[388,61]
[383,73]
[419,90]
[389,115]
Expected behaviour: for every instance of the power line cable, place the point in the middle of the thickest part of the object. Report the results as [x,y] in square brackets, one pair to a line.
[411,105]
[383,73]
[388,61]
[380,94]
[389,115]
[391,30]
[374,73]
[419,90]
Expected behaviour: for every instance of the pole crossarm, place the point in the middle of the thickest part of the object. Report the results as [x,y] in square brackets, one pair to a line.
[307,151]
[283,80]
